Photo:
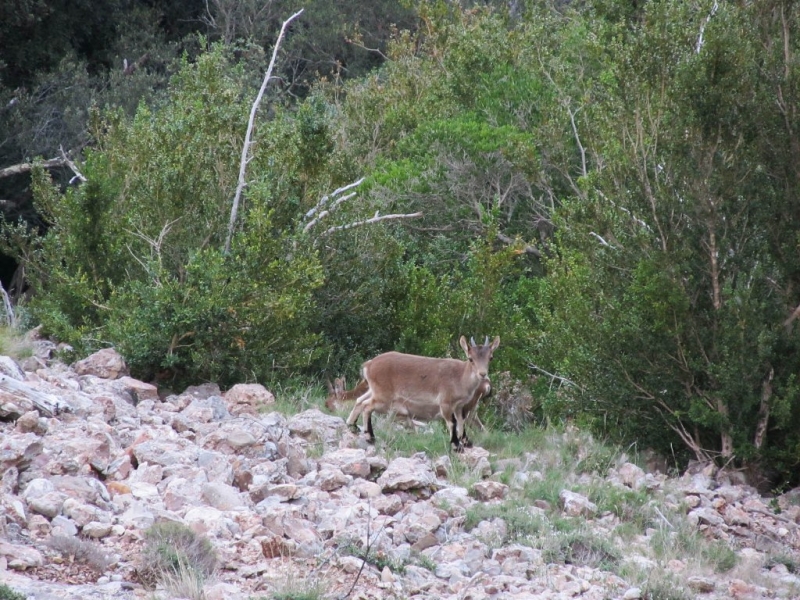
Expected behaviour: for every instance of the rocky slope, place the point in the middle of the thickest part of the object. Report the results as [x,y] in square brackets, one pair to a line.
[91,458]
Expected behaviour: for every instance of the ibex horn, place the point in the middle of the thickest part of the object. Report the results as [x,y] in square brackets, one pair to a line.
[486,342]
[472,341]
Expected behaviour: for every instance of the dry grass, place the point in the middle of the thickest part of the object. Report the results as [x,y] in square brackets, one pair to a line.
[75,549]
[174,556]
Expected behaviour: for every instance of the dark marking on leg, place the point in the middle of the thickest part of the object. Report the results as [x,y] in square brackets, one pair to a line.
[370,432]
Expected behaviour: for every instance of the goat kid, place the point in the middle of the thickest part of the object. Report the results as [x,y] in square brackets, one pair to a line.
[419,387]
[338,394]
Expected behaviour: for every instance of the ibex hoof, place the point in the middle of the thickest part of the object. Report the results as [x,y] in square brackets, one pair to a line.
[354,428]
[459,448]
[466,443]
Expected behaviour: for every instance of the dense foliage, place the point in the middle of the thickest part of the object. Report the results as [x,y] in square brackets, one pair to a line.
[610,188]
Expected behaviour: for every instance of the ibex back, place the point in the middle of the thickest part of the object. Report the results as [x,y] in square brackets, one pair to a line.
[423,388]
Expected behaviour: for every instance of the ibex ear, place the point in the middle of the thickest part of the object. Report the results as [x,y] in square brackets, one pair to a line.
[495,343]
[464,346]
[330,386]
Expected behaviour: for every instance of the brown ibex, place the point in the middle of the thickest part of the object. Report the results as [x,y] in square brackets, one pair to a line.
[420,387]
[338,393]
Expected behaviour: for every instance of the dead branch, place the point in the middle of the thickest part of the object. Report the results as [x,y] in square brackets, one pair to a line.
[554,377]
[700,40]
[50,163]
[333,194]
[764,410]
[129,69]
[246,147]
[10,318]
[527,248]
[71,165]
[795,313]
[47,404]
[602,241]
[325,199]
[377,218]
[325,213]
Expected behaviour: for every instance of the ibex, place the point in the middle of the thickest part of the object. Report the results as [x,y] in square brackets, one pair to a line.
[419,387]
[338,393]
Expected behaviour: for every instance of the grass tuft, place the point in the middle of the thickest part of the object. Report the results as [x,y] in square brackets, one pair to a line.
[81,551]
[175,556]
[7,593]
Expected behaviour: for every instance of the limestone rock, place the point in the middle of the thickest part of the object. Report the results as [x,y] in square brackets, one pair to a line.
[408,474]
[576,505]
[248,398]
[106,363]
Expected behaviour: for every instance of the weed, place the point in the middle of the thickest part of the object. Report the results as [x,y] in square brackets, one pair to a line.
[722,557]
[785,559]
[506,444]
[82,551]
[292,398]
[686,543]
[664,589]
[631,506]
[582,549]
[182,580]
[14,344]
[6,593]
[298,590]
[395,438]
[376,558]
[174,554]
[424,561]
[548,488]
[522,525]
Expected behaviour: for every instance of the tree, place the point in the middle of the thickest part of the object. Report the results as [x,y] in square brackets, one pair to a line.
[666,301]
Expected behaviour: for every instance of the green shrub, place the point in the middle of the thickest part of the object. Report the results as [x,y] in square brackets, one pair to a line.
[580,548]
[175,554]
[6,593]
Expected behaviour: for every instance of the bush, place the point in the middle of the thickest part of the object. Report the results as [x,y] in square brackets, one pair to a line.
[6,593]
[173,553]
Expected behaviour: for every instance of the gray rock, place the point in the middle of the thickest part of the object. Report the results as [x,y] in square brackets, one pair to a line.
[489,490]
[48,505]
[206,410]
[315,426]
[222,497]
[106,363]
[408,474]
[20,557]
[576,505]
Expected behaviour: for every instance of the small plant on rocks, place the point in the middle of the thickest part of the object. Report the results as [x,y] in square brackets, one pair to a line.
[7,593]
[178,558]
[77,550]
[582,549]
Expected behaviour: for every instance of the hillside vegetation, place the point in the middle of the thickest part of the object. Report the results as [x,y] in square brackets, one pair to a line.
[610,187]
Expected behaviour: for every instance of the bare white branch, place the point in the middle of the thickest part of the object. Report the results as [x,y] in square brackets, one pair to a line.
[577,137]
[10,318]
[602,241]
[246,147]
[325,213]
[700,40]
[555,377]
[50,163]
[324,200]
[71,165]
[374,219]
